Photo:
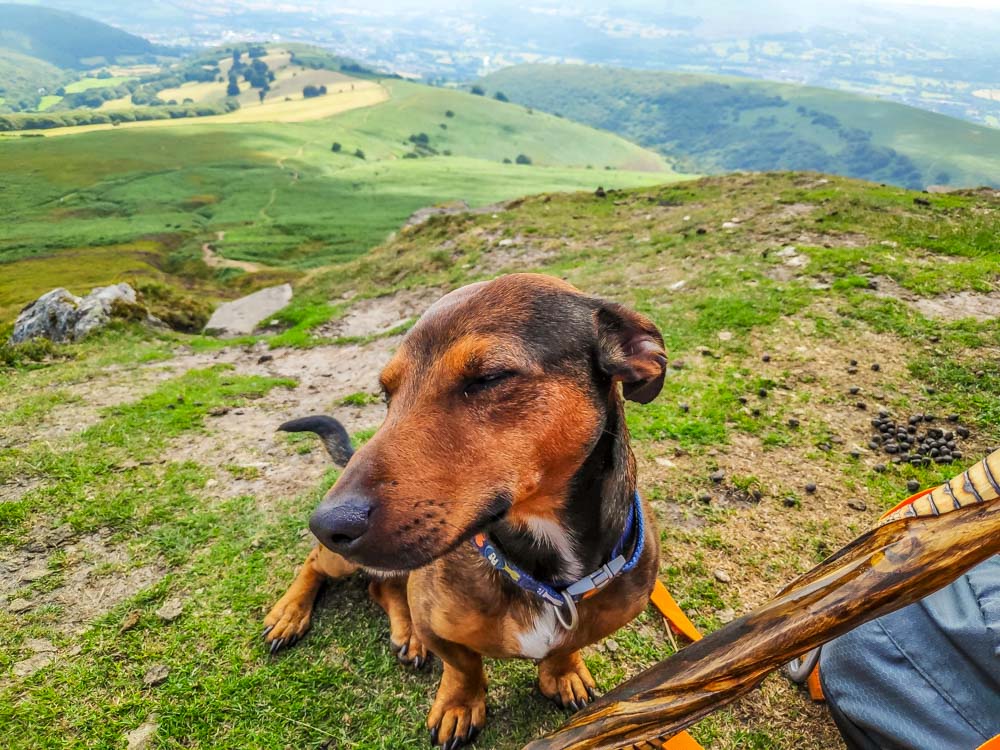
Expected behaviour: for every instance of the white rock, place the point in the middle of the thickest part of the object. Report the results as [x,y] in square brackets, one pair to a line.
[140,737]
[240,317]
[170,610]
[722,576]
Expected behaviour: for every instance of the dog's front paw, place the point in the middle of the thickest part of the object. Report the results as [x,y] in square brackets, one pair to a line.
[410,650]
[566,681]
[456,721]
[286,623]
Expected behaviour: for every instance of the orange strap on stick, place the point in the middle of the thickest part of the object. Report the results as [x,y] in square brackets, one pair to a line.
[679,621]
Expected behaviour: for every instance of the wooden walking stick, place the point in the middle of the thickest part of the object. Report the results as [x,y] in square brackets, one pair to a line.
[920,548]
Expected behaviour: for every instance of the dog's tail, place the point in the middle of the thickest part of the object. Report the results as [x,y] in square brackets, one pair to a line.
[334,436]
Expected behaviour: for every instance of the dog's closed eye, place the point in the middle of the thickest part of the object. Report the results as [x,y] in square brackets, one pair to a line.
[485,381]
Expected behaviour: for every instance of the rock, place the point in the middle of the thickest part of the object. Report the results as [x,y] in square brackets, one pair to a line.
[722,576]
[790,502]
[810,487]
[726,616]
[611,645]
[725,335]
[156,675]
[34,574]
[140,737]
[51,316]
[170,610]
[859,505]
[61,316]
[19,605]
[130,621]
[32,664]
[913,485]
[240,317]
[717,476]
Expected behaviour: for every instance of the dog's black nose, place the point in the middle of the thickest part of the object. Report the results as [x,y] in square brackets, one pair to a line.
[337,525]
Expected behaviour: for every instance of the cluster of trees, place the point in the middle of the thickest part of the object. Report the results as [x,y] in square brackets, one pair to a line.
[256,72]
[521,159]
[338,148]
[46,120]
[311,91]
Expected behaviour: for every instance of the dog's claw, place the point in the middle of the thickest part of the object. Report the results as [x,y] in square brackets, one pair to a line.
[418,662]
[574,705]
[267,630]
[591,692]
[276,645]
[471,736]
[434,737]
[404,649]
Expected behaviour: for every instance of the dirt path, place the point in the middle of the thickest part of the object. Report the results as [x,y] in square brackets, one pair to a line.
[214,260]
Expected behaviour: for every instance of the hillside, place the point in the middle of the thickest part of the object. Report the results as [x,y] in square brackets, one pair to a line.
[22,76]
[150,514]
[716,124]
[64,39]
[144,202]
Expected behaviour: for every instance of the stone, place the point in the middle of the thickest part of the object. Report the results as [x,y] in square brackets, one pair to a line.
[141,737]
[170,610]
[611,645]
[19,605]
[726,616]
[32,664]
[717,476]
[156,675]
[859,505]
[61,316]
[722,576]
[242,316]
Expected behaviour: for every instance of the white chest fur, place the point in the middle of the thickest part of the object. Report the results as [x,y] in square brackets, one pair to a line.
[545,634]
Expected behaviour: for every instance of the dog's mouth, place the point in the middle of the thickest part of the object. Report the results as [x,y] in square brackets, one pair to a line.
[388,556]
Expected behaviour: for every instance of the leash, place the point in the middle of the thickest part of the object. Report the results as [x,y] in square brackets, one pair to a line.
[564,598]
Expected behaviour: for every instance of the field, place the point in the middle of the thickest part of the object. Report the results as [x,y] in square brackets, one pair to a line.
[715,124]
[278,192]
[150,515]
[85,84]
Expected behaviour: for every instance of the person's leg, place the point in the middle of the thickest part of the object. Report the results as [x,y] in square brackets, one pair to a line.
[925,677]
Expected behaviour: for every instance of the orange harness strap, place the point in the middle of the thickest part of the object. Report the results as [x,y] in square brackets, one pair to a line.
[679,621]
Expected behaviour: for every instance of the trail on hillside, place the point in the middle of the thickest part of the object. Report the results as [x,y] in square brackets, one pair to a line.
[213,260]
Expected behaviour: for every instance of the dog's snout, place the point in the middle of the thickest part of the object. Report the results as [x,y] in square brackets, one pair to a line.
[338,525]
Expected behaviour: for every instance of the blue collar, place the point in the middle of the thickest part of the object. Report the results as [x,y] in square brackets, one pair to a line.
[564,599]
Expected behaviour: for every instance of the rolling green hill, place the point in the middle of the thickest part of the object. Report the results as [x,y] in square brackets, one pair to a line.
[716,124]
[65,39]
[143,201]
[22,76]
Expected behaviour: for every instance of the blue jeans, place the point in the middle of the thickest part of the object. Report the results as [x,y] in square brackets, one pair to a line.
[926,677]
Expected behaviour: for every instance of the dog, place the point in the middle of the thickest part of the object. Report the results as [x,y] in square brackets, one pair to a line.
[496,507]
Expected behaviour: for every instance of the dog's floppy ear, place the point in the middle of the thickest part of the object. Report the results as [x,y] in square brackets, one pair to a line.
[631,351]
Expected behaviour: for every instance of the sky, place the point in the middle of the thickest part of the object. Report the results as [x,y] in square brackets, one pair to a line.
[982,4]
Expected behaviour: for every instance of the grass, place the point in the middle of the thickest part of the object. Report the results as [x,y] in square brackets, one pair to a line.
[199,505]
[89,82]
[140,203]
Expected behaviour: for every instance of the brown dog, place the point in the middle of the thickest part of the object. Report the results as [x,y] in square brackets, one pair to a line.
[505,425]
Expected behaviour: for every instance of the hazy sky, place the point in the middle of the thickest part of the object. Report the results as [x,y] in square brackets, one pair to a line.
[984,4]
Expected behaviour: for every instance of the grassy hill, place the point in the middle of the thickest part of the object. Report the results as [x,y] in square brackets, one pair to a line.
[140,468]
[64,39]
[716,124]
[21,76]
[144,201]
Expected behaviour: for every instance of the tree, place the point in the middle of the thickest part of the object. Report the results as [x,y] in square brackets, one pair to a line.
[522,159]
[262,93]
[360,154]
[501,97]
[236,57]
[478,91]
[233,89]
[449,113]
[310,91]
[336,147]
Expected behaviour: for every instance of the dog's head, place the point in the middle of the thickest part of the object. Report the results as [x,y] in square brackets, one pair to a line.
[496,397]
